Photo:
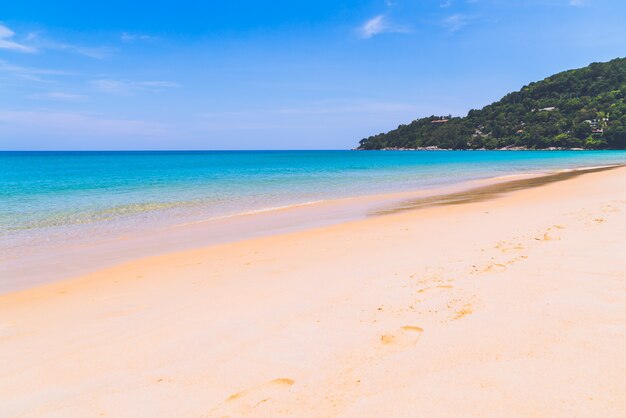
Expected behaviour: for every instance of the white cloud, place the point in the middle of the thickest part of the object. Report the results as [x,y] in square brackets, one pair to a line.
[6,35]
[111,86]
[380,24]
[91,52]
[43,43]
[374,26]
[33,42]
[123,87]
[58,95]
[446,4]
[455,22]
[157,84]
[131,37]
[578,3]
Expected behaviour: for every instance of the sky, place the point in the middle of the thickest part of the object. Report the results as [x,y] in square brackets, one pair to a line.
[144,75]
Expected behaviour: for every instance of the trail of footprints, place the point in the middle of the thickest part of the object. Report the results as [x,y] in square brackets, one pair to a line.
[513,252]
[460,305]
[429,291]
[553,233]
[406,336]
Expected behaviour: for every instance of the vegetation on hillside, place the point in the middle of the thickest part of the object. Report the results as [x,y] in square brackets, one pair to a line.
[583,108]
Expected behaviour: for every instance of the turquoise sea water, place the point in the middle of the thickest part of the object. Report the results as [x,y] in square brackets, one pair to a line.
[40,190]
[53,205]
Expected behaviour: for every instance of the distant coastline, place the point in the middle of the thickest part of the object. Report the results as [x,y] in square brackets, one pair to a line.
[571,110]
[509,148]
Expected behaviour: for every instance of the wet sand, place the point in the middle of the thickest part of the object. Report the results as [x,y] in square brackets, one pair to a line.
[491,191]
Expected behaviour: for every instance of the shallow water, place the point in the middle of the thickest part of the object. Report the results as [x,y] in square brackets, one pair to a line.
[52,200]
[54,189]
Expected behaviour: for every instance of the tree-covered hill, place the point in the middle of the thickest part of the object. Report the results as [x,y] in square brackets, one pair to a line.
[583,108]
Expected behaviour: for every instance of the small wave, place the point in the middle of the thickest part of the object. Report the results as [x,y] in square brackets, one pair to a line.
[114,212]
[251,212]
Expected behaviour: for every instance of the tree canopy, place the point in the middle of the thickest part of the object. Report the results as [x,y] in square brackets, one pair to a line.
[582,108]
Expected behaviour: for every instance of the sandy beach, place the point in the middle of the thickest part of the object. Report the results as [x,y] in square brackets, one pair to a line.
[509,305]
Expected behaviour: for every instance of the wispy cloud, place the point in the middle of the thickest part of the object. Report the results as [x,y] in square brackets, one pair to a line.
[157,84]
[378,25]
[58,96]
[8,67]
[39,42]
[33,42]
[578,3]
[73,123]
[6,42]
[125,87]
[445,4]
[132,37]
[455,22]
[41,75]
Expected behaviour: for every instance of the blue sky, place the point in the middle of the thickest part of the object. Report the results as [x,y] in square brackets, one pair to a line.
[275,75]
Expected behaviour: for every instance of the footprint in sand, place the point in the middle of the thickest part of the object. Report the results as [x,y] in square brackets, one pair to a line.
[245,401]
[516,259]
[493,266]
[547,237]
[506,247]
[443,286]
[276,383]
[610,208]
[490,267]
[461,307]
[465,310]
[406,337]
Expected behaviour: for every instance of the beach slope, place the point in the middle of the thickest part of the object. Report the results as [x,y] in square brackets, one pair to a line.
[511,306]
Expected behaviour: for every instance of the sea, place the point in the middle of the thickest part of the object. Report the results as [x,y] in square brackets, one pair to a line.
[52,200]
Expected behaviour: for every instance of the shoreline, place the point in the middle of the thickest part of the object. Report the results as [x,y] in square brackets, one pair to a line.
[61,263]
[512,306]
[509,148]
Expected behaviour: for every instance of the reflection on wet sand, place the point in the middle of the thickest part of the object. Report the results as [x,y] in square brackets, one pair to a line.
[491,191]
